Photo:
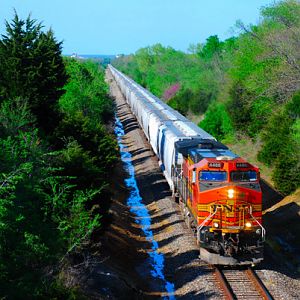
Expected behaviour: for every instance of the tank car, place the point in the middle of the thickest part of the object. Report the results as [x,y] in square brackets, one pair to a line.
[218,192]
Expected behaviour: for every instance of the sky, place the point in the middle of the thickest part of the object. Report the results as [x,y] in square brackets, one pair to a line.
[124,26]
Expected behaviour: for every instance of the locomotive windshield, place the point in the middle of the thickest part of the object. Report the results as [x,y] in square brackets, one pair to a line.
[243,176]
[213,175]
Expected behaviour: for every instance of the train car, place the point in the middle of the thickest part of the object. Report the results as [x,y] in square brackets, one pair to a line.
[220,196]
[218,192]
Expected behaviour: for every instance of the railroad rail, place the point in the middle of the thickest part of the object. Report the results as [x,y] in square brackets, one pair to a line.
[241,284]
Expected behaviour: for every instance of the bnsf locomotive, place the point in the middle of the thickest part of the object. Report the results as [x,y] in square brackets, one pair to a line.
[218,192]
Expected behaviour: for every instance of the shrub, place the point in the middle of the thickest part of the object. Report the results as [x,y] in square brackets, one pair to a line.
[275,137]
[217,121]
[286,174]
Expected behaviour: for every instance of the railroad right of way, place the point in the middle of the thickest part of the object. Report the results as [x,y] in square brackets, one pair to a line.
[182,265]
[192,278]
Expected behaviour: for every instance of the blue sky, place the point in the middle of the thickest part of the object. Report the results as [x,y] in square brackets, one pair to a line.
[123,26]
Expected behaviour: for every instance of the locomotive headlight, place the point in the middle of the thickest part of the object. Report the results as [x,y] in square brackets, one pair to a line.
[248,224]
[230,193]
[216,225]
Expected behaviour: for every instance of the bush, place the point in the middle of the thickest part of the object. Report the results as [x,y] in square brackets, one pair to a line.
[275,137]
[217,121]
[80,167]
[281,146]
[195,101]
[200,101]
[286,174]
[86,92]
[92,138]
[238,107]
[181,101]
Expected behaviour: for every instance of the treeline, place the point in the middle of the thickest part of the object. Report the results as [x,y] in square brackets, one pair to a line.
[247,85]
[55,157]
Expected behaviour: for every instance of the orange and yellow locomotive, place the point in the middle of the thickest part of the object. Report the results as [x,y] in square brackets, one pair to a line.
[221,199]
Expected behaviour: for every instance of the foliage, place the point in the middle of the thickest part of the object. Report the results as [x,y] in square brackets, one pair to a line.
[187,100]
[86,91]
[212,47]
[87,108]
[158,68]
[26,236]
[181,100]
[286,173]
[31,68]
[90,151]
[10,122]
[217,121]
[52,196]
[275,137]
[281,146]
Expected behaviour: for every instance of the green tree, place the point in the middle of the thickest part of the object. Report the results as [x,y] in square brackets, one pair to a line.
[281,146]
[50,201]
[275,137]
[217,121]
[86,92]
[212,47]
[31,68]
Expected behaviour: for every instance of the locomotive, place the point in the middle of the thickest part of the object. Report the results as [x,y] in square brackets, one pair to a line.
[218,192]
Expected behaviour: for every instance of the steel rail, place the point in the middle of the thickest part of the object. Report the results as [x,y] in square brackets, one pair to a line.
[253,279]
[225,286]
[259,284]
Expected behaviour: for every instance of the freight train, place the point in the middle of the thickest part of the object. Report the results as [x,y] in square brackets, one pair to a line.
[218,192]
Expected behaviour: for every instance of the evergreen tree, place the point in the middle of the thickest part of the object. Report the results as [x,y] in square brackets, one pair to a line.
[31,68]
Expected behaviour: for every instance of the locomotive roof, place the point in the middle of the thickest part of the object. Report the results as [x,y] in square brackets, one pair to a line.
[198,154]
[203,148]
[198,143]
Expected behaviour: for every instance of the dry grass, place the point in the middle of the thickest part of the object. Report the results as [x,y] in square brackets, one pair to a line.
[248,149]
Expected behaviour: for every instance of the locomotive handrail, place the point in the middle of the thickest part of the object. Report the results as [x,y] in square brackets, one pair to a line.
[263,230]
[202,224]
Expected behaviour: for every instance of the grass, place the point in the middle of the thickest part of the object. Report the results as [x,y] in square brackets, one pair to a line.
[248,149]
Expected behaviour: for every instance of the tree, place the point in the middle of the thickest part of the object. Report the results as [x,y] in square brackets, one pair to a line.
[270,52]
[31,68]
[212,47]
[217,121]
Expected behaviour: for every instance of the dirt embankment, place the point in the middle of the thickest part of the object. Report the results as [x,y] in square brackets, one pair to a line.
[282,221]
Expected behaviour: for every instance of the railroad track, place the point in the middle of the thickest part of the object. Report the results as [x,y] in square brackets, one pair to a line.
[241,284]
